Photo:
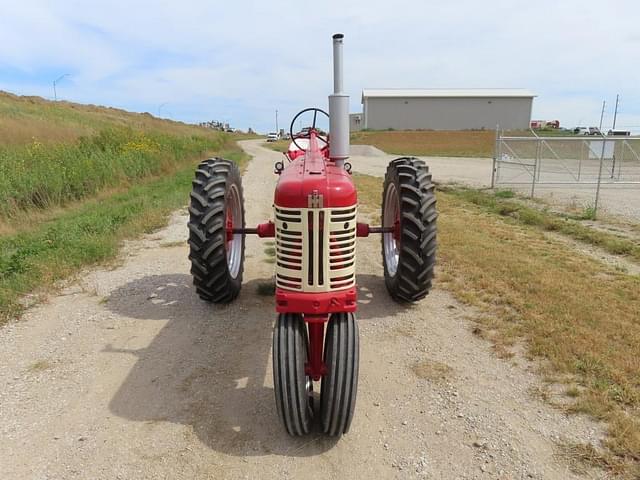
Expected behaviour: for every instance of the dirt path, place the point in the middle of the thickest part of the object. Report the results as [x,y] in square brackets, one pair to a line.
[475,172]
[127,375]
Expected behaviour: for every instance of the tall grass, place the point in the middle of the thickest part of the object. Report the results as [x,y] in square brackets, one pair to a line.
[77,179]
[89,232]
[43,176]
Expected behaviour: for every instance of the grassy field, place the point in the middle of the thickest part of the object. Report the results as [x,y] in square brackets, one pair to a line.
[461,143]
[75,180]
[421,143]
[578,316]
[504,204]
[279,146]
[430,143]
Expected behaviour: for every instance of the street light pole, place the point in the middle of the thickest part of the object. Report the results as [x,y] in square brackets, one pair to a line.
[55,93]
[615,113]
[277,131]
[604,102]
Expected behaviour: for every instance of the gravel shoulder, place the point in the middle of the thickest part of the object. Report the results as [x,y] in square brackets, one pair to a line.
[475,172]
[126,374]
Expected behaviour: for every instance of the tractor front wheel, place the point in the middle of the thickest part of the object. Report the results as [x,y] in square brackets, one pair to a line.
[409,206]
[216,208]
[292,386]
[340,383]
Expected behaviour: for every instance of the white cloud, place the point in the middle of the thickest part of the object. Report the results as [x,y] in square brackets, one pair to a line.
[242,60]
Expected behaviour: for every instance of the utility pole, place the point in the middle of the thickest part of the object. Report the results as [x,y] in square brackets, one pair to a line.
[55,93]
[604,102]
[277,131]
[615,112]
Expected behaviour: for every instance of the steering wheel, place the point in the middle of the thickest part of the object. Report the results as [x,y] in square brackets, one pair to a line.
[313,126]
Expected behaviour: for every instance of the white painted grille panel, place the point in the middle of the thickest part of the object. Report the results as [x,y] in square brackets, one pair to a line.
[315,248]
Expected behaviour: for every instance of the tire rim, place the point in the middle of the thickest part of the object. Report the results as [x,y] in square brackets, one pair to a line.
[234,241]
[308,387]
[391,218]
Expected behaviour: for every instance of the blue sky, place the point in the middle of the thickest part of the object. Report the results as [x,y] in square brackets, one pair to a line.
[240,61]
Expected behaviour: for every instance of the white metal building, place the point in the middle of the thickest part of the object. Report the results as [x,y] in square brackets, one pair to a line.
[446,109]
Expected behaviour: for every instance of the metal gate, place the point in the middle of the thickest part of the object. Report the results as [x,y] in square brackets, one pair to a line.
[526,162]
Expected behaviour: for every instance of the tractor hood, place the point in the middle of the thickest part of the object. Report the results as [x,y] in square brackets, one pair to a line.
[309,175]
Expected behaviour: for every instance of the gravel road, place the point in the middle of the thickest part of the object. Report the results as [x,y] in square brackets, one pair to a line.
[127,375]
[474,172]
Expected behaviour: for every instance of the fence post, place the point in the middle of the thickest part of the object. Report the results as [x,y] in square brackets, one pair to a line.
[581,157]
[535,167]
[624,144]
[495,159]
[539,169]
[595,206]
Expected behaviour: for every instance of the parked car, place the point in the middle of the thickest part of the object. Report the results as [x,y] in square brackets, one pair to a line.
[586,131]
[623,133]
[272,137]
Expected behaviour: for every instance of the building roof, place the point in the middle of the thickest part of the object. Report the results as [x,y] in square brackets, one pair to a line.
[446,92]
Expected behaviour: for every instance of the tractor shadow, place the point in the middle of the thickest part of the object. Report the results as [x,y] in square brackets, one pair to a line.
[374,301]
[209,368]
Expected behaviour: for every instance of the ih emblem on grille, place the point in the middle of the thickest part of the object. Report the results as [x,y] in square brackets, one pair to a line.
[315,200]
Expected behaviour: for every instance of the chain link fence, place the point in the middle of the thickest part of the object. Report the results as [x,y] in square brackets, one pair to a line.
[578,168]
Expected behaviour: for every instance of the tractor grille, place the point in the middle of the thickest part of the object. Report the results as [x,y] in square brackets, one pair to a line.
[315,248]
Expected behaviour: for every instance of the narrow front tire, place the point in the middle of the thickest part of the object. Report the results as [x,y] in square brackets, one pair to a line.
[292,386]
[340,383]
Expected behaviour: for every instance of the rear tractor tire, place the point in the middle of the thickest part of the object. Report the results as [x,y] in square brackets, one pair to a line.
[217,256]
[409,204]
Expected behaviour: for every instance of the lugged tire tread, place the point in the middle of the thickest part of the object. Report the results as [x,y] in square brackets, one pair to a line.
[213,178]
[418,238]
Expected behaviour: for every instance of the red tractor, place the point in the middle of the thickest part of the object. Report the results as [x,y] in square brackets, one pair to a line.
[315,228]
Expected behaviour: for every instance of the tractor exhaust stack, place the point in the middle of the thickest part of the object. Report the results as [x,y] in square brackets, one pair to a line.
[338,108]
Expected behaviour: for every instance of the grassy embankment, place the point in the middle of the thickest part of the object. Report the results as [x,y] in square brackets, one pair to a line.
[68,204]
[24,118]
[577,315]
